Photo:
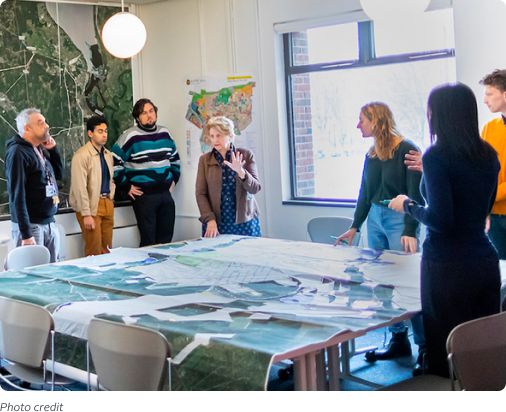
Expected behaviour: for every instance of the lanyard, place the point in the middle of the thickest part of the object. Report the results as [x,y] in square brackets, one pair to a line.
[49,176]
[51,188]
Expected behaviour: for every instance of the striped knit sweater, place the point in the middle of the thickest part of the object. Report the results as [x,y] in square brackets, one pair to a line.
[146,159]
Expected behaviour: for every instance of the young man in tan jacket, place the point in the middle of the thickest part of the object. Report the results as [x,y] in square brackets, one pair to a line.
[92,189]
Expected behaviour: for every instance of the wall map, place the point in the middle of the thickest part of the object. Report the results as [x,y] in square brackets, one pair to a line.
[52,58]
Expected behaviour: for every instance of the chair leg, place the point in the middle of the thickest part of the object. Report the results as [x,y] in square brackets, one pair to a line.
[52,357]
[170,373]
[452,376]
[88,365]
[7,381]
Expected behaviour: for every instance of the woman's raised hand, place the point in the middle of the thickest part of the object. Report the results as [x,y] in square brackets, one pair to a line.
[236,164]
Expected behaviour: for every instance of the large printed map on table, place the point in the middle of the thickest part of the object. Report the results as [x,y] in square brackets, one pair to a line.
[226,305]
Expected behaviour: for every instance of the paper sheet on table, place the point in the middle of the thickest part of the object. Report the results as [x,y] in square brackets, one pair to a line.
[119,258]
[205,273]
[308,310]
[73,319]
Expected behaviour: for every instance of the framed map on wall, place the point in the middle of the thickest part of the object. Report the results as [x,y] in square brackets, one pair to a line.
[52,58]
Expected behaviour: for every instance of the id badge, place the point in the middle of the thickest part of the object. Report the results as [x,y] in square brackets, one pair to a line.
[50,190]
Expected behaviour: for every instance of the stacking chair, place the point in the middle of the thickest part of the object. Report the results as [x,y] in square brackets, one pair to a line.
[26,340]
[477,359]
[27,256]
[126,357]
[63,241]
[477,353]
[321,229]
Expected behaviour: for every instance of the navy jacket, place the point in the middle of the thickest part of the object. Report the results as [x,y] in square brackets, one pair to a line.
[26,184]
[460,195]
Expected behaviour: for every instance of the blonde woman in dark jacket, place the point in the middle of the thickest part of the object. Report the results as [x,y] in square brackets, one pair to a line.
[227,180]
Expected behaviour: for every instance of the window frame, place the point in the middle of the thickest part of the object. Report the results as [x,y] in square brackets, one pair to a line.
[367,58]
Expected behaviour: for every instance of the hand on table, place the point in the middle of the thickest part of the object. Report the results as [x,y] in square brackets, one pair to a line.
[349,235]
[212,229]
[409,244]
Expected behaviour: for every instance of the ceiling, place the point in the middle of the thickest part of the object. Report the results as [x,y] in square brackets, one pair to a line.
[105,2]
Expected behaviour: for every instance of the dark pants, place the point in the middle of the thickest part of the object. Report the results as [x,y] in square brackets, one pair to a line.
[497,234]
[455,292]
[155,214]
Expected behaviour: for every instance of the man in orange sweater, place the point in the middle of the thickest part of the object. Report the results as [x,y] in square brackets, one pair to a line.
[494,132]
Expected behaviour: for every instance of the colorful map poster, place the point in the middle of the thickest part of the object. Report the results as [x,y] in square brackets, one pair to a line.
[230,96]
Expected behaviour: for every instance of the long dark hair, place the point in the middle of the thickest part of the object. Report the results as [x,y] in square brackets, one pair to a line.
[453,121]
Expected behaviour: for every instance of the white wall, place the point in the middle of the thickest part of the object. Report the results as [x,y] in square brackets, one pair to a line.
[191,38]
[480,35]
[197,37]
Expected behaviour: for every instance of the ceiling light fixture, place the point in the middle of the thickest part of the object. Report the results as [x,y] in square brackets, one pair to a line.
[124,34]
[393,9]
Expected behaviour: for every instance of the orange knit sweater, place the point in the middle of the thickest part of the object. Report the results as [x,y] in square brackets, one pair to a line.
[494,132]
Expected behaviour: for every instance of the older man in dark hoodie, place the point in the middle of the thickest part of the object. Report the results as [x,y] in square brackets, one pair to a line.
[33,165]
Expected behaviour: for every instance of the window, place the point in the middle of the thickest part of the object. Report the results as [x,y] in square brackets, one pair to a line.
[331,72]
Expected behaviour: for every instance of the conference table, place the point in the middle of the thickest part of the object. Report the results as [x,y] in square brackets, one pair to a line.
[230,307]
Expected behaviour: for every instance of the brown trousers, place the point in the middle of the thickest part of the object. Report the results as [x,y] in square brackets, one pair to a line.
[97,241]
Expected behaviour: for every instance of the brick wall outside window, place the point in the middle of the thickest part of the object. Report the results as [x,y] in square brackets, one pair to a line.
[302,124]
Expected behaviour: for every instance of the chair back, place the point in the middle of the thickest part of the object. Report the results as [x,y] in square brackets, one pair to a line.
[478,353]
[321,229]
[63,241]
[126,357]
[25,331]
[27,256]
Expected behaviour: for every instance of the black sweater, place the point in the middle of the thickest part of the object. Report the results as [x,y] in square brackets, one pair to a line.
[26,184]
[384,180]
[460,195]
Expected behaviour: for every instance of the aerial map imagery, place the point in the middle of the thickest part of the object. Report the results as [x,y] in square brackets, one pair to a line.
[58,64]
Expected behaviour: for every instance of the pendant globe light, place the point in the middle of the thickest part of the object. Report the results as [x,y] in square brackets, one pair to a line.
[393,9]
[124,34]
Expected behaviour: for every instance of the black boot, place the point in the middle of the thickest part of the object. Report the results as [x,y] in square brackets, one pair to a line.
[420,367]
[398,346]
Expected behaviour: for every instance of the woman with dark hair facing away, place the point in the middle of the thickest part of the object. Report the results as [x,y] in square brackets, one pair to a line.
[386,176]
[460,278]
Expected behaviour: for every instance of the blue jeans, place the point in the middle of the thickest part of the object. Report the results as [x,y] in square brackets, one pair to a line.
[497,234]
[384,232]
[385,227]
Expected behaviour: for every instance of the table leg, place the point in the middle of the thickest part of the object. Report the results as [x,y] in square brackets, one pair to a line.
[309,372]
[334,368]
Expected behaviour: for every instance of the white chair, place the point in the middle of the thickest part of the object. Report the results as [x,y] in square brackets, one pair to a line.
[127,357]
[26,339]
[63,241]
[27,256]
[476,356]
[325,229]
